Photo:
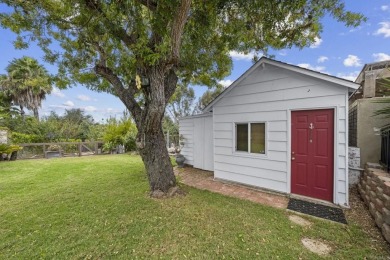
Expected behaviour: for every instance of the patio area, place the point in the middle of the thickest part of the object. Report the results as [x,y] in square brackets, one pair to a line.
[204,180]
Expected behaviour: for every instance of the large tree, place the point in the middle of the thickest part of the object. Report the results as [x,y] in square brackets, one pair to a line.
[208,96]
[138,49]
[181,102]
[26,83]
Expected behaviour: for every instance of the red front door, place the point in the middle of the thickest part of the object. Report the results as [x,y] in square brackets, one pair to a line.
[312,151]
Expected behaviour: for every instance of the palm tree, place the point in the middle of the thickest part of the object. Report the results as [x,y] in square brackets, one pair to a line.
[26,83]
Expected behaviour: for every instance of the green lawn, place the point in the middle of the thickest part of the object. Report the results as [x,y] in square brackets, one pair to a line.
[98,207]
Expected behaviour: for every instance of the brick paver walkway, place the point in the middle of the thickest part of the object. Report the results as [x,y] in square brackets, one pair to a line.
[204,180]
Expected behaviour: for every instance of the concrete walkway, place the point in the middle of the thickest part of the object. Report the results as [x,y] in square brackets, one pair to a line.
[204,180]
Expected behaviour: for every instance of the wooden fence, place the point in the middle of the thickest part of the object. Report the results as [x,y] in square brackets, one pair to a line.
[60,149]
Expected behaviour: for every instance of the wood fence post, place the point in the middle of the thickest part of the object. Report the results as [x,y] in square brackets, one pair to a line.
[44,151]
[80,149]
[96,148]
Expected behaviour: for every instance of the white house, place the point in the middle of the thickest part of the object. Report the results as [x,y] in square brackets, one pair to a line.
[278,127]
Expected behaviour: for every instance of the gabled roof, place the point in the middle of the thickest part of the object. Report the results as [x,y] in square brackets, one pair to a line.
[263,61]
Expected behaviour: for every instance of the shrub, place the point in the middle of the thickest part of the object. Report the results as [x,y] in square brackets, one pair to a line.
[20,138]
[120,132]
[8,149]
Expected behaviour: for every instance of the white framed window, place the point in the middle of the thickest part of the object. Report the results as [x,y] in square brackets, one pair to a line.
[251,137]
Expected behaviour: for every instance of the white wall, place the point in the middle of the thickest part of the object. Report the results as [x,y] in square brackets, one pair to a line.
[186,129]
[268,95]
[198,145]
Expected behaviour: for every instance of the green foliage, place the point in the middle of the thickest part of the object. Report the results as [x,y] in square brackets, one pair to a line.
[106,44]
[207,97]
[74,125]
[21,138]
[120,132]
[9,148]
[26,84]
[109,146]
[26,125]
[181,102]
[6,108]
[171,127]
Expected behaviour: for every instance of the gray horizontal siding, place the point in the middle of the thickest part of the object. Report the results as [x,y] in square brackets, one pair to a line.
[251,180]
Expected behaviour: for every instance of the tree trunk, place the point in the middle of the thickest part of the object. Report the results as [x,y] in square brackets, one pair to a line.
[150,139]
[155,156]
[36,114]
[148,118]
[22,112]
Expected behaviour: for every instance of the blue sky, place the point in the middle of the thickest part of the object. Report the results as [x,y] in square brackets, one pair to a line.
[340,51]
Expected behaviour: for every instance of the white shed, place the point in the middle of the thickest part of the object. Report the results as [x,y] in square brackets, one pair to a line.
[278,127]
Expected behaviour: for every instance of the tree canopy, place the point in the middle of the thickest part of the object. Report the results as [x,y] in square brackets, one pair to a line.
[26,84]
[140,49]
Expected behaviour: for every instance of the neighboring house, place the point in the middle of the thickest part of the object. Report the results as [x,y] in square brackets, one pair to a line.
[278,127]
[363,126]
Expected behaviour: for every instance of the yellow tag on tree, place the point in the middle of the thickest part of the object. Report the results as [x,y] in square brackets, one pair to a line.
[138,81]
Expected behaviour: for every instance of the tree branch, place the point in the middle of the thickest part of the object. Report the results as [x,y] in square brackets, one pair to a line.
[126,95]
[170,85]
[177,29]
[120,32]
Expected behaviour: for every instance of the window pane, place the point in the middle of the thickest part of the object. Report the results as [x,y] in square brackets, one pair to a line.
[242,137]
[258,138]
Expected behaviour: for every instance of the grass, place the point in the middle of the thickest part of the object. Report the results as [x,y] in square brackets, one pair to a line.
[98,207]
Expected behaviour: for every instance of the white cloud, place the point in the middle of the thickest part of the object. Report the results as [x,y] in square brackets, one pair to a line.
[56,92]
[317,42]
[283,53]
[58,106]
[89,109]
[384,29]
[310,67]
[349,76]
[322,59]
[241,56]
[381,56]
[385,7]
[225,83]
[68,104]
[355,29]
[112,111]
[352,61]
[83,98]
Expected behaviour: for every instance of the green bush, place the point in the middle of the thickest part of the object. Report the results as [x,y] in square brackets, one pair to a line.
[120,133]
[20,138]
[9,148]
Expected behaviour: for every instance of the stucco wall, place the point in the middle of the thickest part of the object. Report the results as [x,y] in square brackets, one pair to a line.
[368,139]
[3,136]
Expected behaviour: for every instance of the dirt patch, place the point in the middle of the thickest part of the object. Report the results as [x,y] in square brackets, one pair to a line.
[359,214]
[316,246]
[299,221]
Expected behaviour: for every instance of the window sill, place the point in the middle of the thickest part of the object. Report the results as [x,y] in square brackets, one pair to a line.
[250,155]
